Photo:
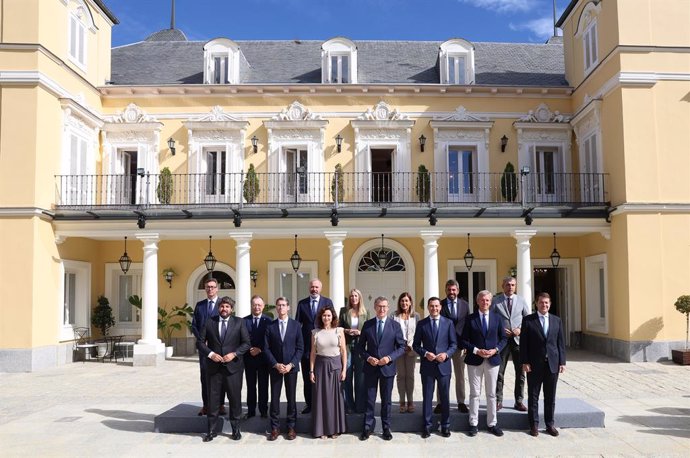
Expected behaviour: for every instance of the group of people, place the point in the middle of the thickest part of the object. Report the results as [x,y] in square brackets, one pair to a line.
[346,358]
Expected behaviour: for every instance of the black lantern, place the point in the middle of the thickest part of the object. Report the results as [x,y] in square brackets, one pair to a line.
[383,256]
[469,257]
[255,144]
[171,145]
[125,261]
[504,143]
[555,255]
[295,259]
[422,142]
[210,260]
[339,142]
[253,275]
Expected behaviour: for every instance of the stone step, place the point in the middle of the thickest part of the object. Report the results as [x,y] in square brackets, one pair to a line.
[570,413]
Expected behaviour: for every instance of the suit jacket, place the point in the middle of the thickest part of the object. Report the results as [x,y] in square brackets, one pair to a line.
[345,321]
[236,340]
[256,337]
[520,309]
[535,349]
[304,317]
[284,351]
[462,312]
[392,344]
[447,342]
[473,336]
[201,315]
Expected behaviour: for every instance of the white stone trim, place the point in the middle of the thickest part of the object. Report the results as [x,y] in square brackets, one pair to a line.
[334,47]
[82,300]
[594,322]
[574,309]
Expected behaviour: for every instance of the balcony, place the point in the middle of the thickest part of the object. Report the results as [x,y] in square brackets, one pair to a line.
[329,190]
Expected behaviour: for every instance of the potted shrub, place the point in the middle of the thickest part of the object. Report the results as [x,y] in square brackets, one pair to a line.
[683,306]
[423,185]
[250,189]
[102,318]
[509,182]
[337,183]
[168,321]
[164,190]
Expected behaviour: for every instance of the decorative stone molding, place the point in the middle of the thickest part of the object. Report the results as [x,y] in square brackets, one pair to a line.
[461,114]
[543,114]
[296,112]
[382,112]
[588,120]
[296,134]
[589,13]
[217,114]
[131,115]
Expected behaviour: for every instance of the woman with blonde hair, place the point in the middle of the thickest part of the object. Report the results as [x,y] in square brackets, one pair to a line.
[408,318]
[352,319]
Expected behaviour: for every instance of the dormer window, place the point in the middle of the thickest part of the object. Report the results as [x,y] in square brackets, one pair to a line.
[79,21]
[456,61]
[587,31]
[221,62]
[339,61]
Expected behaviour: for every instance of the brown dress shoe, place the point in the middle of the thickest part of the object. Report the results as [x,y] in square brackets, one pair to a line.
[520,407]
[274,434]
[552,431]
[533,430]
[222,410]
[499,406]
[202,411]
[292,434]
[462,407]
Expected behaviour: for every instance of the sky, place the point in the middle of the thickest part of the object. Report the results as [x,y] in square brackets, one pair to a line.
[529,21]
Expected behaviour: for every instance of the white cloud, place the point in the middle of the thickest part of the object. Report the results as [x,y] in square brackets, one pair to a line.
[542,28]
[503,6]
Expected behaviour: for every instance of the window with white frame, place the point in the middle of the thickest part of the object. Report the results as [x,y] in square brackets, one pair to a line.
[77,38]
[456,58]
[221,62]
[339,61]
[592,179]
[481,277]
[596,290]
[118,288]
[74,297]
[462,171]
[285,282]
[589,47]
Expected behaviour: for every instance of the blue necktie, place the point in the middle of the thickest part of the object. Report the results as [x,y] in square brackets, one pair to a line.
[223,330]
[379,331]
[434,328]
[544,325]
[210,307]
[484,326]
[313,307]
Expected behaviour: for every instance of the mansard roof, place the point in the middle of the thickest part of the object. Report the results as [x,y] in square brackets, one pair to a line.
[175,61]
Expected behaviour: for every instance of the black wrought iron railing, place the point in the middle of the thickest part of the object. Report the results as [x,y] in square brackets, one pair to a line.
[433,189]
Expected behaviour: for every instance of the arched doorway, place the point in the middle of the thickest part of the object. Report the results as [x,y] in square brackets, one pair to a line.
[195,283]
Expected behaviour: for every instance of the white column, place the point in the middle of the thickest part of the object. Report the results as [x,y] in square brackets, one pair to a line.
[524,263]
[336,282]
[430,265]
[243,291]
[149,350]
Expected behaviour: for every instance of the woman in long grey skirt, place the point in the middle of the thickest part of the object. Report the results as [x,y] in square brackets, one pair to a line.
[328,361]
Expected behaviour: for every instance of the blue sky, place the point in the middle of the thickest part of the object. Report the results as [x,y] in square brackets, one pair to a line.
[474,20]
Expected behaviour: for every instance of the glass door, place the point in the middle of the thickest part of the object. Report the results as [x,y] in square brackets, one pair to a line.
[216,176]
[296,184]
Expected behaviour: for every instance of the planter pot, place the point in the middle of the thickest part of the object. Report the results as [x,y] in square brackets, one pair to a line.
[101,349]
[169,352]
[681,356]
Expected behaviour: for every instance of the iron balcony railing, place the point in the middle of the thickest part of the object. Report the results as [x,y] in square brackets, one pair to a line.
[434,189]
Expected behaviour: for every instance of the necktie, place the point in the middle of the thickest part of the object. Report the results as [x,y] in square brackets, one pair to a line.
[453,312]
[484,325]
[510,306]
[434,328]
[210,307]
[256,323]
[379,331]
[313,307]
[544,324]
[223,330]
[282,330]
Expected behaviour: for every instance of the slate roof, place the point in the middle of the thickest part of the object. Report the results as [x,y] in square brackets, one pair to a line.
[167,58]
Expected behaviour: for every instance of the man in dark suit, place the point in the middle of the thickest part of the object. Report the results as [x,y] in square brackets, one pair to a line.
[255,364]
[456,309]
[306,314]
[224,340]
[435,341]
[483,337]
[283,347]
[512,308]
[542,353]
[380,344]
[202,312]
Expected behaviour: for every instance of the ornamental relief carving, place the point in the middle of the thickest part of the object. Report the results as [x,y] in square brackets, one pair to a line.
[544,135]
[295,134]
[461,114]
[131,114]
[395,135]
[296,112]
[461,135]
[76,124]
[217,114]
[382,112]
[132,136]
[543,114]
[209,136]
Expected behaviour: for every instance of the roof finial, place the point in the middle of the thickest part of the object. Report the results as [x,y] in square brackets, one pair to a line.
[172,16]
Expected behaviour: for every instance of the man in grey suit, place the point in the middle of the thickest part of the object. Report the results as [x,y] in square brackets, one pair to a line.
[512,308]
[457,310]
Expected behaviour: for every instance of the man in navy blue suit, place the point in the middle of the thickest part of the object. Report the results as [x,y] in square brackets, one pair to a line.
[380,344]
[255,364]
[283,348]
[435,341]
[204,310]
[483,337]
[306,314]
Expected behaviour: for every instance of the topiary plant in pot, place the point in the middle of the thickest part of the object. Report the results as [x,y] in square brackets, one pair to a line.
[683,306]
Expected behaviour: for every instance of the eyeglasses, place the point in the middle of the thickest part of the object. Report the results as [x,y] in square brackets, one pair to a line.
[211,287]
[381,307]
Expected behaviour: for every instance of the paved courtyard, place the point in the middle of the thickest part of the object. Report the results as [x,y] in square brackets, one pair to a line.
[107,409]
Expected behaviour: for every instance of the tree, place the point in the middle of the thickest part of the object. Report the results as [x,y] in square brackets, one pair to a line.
[251,185]
[337,180]
[423,185]
[683,306]
[509,182]
[102,316]
[164,190]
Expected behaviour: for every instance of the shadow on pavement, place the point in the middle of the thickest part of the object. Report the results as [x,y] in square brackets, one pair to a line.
[668,421]
[123,420]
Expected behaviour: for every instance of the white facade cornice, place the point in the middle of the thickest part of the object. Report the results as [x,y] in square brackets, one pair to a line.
[469,125]
[666,208]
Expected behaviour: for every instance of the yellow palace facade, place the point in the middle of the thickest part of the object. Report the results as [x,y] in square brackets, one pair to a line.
[381,164]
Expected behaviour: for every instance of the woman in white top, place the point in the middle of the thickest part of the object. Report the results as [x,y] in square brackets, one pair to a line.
[407,317]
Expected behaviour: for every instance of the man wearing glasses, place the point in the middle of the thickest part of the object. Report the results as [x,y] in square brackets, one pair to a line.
[204,310]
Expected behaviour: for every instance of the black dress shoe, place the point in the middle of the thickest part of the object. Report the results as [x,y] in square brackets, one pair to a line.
[365,435]
[387,434]
[437,409]
[264,415]
[445,432]
[473,431]
[306,410]
[552,431]
[208,437]
[495,430]
[248,415]
[462,407]
[426,433]
[236,434]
